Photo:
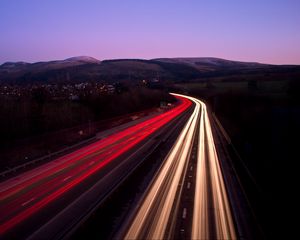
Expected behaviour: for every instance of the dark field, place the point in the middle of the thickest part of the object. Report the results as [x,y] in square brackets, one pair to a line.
[262,118]
[37,125]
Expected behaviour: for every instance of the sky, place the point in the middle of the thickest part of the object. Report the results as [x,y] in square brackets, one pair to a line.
[266,31]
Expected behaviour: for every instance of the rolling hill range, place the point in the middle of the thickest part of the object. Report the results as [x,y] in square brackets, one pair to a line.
[80,69]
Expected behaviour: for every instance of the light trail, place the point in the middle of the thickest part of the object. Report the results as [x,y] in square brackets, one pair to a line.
[27,194]
[209,175]
[212,218]
[153,216]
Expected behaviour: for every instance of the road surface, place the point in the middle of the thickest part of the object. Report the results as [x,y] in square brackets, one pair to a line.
[161,208]
[41,193]
[185,199]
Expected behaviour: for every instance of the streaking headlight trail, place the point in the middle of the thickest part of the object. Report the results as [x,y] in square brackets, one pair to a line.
[212,217]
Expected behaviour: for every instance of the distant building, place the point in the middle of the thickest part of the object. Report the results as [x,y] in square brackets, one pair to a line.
[74,97]
[110,89]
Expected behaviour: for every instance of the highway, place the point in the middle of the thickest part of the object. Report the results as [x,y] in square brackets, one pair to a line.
[186,197]
[161,207]
[30,201]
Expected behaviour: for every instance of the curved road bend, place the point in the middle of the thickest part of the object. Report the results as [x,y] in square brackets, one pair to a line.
[42,190]
[159,209]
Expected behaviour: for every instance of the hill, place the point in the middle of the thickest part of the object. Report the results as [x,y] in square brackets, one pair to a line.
[81,69]
[206,64]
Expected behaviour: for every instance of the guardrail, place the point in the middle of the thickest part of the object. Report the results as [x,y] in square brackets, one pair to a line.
[44,158]
[226,136]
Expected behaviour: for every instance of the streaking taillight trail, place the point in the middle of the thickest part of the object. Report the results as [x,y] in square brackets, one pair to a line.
[35,189]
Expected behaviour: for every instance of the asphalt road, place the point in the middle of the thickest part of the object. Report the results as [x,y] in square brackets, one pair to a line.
[162,208]
[192,194]
[47,202]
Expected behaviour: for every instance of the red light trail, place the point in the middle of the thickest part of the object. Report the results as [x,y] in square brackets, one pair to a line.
[25,195]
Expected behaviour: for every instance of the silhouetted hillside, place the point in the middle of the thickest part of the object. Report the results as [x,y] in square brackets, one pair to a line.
[82,69]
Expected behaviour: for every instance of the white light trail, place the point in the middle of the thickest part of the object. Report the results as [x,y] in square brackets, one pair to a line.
[162,200]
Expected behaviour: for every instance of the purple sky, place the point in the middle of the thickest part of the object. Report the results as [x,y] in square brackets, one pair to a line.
[254,30]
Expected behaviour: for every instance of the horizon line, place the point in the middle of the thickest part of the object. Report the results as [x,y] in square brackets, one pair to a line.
[147,59]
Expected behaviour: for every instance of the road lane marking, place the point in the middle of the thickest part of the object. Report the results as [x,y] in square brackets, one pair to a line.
[65,179]
[91,163]
[184,213]
[25,203]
